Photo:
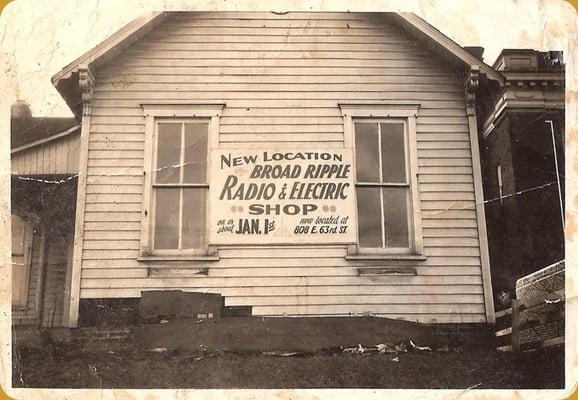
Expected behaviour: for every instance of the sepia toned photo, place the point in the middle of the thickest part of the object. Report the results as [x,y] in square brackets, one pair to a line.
[292,199]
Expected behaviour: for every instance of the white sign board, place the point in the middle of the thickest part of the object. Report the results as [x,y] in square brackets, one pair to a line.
[274,196]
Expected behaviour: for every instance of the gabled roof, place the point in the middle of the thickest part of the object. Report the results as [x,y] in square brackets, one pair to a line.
[66,81]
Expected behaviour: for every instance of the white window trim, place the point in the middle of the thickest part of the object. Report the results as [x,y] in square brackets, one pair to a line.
[400,111]
[152,112]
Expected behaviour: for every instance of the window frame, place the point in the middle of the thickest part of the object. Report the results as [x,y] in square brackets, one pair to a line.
[177,113]
[388,112]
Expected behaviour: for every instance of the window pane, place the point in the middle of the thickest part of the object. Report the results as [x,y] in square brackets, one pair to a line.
[194,222]
[195,168]
[367,152]
[369,212]
[168,153]
[167,218]
[393,153]
[395,214]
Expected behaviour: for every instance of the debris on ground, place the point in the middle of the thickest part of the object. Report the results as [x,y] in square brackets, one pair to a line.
[157,350]
[383,348]
[283,354]
[419,348]
[355,350]
[391,348]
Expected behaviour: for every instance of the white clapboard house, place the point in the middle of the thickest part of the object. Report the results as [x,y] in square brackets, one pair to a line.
[298,164]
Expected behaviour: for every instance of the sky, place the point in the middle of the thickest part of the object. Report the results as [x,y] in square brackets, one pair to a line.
[37,39]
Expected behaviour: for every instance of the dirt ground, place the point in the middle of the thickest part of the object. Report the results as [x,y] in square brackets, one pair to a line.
[59,368]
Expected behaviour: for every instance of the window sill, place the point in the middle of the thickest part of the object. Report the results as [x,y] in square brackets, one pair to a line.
[177,272]
[386,257]
[405,271]
[179,258]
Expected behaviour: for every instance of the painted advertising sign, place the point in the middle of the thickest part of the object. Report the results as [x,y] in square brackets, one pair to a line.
[261,196]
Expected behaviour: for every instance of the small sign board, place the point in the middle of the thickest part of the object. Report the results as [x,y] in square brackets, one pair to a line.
[541,299]
[282,196]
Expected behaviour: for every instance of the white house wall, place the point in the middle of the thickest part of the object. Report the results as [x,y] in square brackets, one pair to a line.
[281,85]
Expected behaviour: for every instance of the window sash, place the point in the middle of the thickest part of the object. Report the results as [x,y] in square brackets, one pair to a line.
[182,151]
[386,224]
[178,229]
[379,123]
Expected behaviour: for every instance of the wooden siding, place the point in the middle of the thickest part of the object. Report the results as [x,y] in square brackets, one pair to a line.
[282,77]
[58,157]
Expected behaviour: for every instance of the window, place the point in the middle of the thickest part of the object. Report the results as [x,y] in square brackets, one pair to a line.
[175,203]
[388,212]
[500,183]
[180,185]
[382,186]
[21,259]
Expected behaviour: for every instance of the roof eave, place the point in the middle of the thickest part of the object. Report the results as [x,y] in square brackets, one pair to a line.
[411,20]
[66,82]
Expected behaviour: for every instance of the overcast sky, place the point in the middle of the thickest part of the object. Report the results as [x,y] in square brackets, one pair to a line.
[38,38]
